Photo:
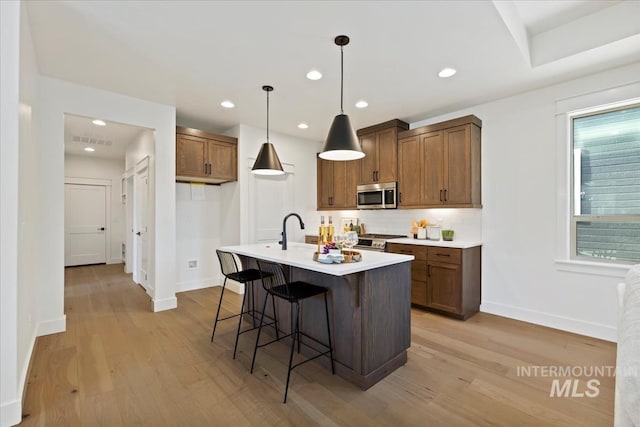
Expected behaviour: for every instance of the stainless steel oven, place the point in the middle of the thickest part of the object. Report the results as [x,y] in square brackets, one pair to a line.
[377,196]
[374,242]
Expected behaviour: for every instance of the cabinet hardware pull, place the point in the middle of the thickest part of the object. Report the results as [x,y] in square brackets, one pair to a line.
[205,168]
[443,254]
[441,195]
[399,197]
[445,194]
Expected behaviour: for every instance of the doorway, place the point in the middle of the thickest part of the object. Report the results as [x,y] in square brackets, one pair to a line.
[141,226]
[86,209]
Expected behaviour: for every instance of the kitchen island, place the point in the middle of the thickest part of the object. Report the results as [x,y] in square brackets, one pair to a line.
[369,306]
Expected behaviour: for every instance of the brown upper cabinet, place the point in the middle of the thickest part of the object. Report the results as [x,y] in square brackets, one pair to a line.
[439,165]
[205,157]
[380,145]
[337,184]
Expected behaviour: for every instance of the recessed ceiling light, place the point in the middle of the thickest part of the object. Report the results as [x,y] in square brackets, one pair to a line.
[303,126]
[314,75]
[98,122]
[447,72]
[362,104]
[89,149]
[227,104]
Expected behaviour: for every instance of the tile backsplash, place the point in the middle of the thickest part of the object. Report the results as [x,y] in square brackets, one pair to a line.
[467,223]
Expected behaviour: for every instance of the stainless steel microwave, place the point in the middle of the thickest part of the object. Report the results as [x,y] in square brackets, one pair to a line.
[377,196]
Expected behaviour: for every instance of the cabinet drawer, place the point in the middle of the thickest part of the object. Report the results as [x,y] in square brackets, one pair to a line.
[450,255]
[420,252]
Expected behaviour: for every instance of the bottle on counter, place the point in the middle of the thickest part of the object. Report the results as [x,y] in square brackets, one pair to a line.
[321,233]
[330,230]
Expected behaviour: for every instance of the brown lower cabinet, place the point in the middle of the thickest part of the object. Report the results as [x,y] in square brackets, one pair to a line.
[311,239]
[444,280]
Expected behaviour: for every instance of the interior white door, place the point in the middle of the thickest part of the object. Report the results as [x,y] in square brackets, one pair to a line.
[84,224]
[271,198]
[141,225]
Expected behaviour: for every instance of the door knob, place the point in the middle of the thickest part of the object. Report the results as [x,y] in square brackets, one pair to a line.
[138,233]
[101,228]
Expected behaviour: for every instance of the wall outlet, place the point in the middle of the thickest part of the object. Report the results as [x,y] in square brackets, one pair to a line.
[192,264]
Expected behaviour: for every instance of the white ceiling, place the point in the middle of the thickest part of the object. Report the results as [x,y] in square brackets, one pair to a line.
[195,54]
[109,141]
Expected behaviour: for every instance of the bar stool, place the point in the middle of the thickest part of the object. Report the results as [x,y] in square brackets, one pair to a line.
[275,283]
[230,270]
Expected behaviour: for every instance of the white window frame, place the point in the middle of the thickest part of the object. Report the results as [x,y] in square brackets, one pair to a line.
[575,216]
[566,109]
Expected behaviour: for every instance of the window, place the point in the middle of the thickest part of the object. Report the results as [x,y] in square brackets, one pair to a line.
[605,220]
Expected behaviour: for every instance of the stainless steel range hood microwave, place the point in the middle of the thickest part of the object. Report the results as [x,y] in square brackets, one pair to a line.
[377,196]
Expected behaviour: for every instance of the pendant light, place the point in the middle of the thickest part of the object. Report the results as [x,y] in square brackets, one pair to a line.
[342,142]
[267,162]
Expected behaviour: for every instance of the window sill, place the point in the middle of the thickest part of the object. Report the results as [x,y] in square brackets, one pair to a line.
[593,268]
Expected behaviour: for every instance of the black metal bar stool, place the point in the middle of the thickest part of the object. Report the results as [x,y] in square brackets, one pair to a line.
[230,270]
[276,284]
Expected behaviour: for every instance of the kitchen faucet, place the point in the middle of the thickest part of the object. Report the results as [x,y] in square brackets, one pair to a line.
[284,229]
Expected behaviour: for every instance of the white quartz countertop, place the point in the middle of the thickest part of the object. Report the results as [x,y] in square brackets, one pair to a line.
[460,244]
[301,255]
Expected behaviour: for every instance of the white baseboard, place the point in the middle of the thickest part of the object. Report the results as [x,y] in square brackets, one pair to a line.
[590,329]
[10,413]
[116,260]
[232,285]
[53,326]
[192,285]
[164,304]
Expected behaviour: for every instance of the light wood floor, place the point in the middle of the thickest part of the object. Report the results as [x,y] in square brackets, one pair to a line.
[120,364]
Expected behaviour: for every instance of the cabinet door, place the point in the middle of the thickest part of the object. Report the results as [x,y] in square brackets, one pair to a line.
[352,174]
[444,287]
[191,156]
[325,183]
[433,168]
[223,160]
[368,164]
[457,171]
[419,293]
[339,185]
[410,171]
[387,156]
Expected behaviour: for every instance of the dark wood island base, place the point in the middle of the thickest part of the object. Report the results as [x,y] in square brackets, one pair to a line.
[370,319]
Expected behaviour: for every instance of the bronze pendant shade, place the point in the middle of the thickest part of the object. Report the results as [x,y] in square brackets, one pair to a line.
[342,142]
[267,162]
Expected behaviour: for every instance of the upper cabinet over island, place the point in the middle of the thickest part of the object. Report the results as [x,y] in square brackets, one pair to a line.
[205,157]
[439,165]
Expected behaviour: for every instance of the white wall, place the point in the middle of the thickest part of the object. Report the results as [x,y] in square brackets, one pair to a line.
[143,145]
[466,223]
[108,169]
[56,99]
[520,276]
[10,405]
[294,151]
[198,231]
[223,219]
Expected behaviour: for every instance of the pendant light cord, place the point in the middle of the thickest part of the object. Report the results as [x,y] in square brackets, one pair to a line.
[341,78]
[267,116]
